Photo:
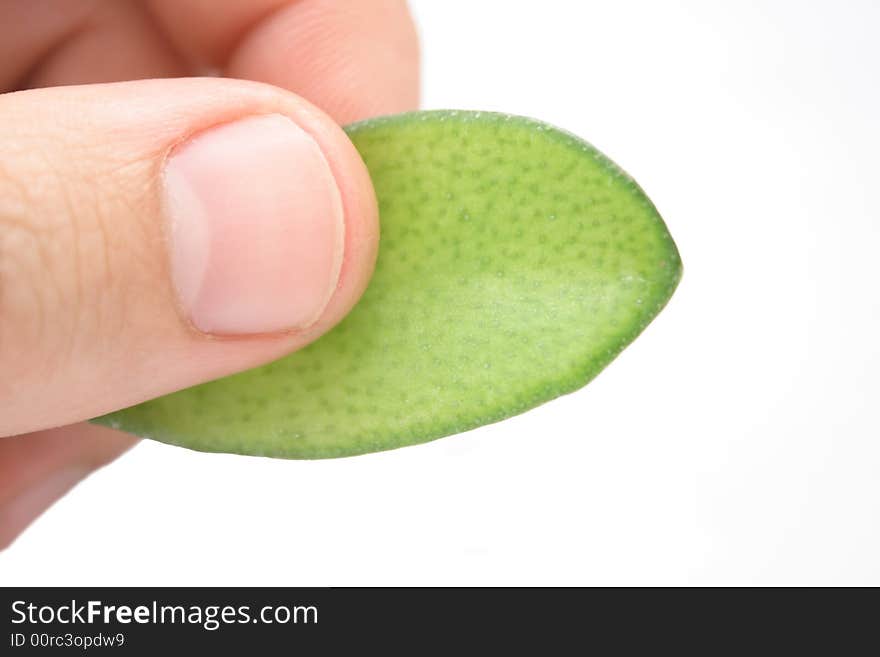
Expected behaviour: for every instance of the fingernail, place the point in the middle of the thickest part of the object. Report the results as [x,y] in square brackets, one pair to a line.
[256,227]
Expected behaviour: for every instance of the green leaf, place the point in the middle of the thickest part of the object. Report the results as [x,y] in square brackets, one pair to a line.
[516,261]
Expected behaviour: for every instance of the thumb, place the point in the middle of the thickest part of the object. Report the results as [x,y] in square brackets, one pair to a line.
[157,234]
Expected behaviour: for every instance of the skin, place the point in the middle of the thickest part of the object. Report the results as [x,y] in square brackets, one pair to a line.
[88,322]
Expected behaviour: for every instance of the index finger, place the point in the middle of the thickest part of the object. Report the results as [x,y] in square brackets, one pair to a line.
[351,59]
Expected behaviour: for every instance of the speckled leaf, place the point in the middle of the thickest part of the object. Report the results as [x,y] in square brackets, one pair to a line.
[515,263]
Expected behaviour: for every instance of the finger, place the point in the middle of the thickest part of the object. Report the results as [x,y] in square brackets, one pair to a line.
[222,25]
[50,42]
[118,41]
[36,469]
[47,42]
[30,31]
[136,259]
[352,59]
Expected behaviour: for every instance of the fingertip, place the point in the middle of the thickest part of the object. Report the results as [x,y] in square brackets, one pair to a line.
[257,206]
[353,60]
[360,216]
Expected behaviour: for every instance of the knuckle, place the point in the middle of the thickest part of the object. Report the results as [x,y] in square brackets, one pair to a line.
[78,254]
[53,258]
[22,305]
[27,286]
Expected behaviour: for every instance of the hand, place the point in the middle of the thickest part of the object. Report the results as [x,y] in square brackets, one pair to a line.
[159,233]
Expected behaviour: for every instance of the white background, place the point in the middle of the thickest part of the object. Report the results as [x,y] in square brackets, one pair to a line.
[736,442]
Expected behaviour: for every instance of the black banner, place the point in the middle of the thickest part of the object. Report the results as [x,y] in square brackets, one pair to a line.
[325,621]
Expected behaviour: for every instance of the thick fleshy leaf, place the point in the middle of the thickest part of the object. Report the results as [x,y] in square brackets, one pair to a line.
[515,263]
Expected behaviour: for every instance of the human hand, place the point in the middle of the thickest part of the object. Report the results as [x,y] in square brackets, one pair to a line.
[156,234]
